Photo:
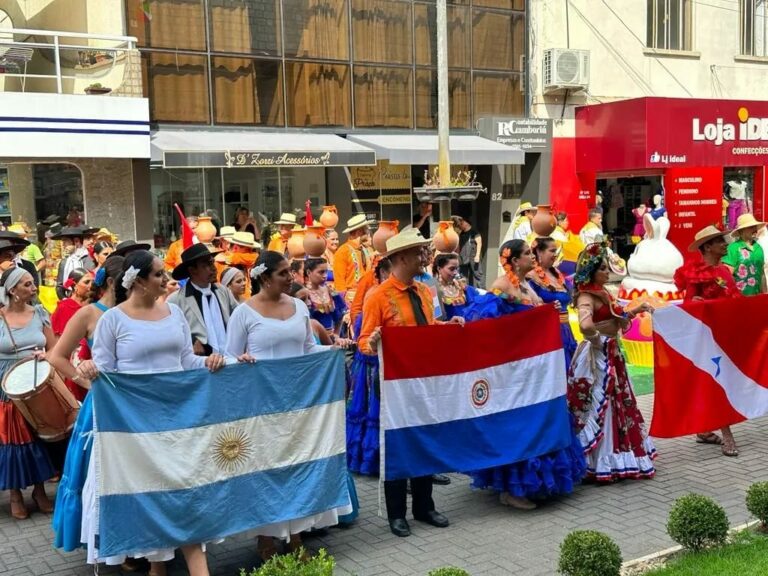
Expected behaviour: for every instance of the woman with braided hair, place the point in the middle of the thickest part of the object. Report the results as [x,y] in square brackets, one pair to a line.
[600,396]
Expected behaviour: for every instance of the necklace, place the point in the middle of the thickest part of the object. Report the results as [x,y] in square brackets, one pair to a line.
[453,293]
[321,300]
[544,278]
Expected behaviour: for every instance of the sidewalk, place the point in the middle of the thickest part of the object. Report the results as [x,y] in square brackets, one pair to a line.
[484,537]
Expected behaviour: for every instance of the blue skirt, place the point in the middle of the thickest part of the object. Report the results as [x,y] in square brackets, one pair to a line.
[349,518]
[363,406]
[67,516]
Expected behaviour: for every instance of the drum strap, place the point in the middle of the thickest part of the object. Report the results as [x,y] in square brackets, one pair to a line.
[10,334]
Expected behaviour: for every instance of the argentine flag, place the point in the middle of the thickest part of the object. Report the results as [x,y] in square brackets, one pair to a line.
[188,457]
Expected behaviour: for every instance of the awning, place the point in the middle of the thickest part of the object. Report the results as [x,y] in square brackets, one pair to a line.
[422,149]
[252,149]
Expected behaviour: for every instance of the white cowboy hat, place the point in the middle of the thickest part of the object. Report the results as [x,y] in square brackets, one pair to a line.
[357,221]
[244,239]
[705,235]
[524,207]
[286,218]
[747,221]
[409,238]
[227,232]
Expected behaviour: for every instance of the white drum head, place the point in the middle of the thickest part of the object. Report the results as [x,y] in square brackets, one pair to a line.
[21,378]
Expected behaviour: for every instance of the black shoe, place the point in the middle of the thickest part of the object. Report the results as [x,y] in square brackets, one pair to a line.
[399,527]
[434,518]
[440,479]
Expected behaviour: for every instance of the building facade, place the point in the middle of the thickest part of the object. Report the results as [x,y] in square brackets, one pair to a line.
[685,64]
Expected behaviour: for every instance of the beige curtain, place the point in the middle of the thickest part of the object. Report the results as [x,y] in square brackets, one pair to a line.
[382,31]
[230,28]
[492,41]
[426,99]
[323,28]
[318,94]
[458,36]
[497,94]
[174,23]
[235,91]
[179,88]
[383,97]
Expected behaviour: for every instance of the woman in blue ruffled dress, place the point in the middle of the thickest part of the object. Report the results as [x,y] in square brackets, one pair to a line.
[68,512]
[455,294]
[551,286]
[325,305]
[543,476]
[363,401]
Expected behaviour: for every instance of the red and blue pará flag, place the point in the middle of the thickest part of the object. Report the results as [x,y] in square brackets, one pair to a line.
[710,365]
[457,399]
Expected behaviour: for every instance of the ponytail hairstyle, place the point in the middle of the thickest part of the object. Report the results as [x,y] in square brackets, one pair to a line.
[540,245]
[441,260]
[139,263]
[265,266]
[99,247]
[74,277]
[111,269]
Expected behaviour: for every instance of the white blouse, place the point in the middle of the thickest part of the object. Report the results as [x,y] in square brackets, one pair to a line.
[264,338]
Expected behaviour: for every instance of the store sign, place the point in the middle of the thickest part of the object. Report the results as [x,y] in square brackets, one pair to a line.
[668,132]
[381,176]
[527,134]
[389,199]
[270,159]
[693,198]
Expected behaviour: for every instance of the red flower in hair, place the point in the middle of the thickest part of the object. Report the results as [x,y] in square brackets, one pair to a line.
[69,284]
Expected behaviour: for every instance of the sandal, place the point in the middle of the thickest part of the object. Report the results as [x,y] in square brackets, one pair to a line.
[43,502]
[709,438]
[729,449]
[18,510]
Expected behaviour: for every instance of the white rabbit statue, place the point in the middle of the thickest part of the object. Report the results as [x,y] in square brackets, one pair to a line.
[652,265]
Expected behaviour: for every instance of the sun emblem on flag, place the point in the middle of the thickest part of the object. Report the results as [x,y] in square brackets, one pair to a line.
[231,449]
[481,391]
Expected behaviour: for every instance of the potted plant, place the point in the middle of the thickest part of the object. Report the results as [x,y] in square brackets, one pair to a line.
[97,88]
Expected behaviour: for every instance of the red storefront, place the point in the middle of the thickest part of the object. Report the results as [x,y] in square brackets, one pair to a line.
[689,148]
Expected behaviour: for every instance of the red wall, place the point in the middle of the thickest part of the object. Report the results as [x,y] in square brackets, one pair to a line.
[569,193]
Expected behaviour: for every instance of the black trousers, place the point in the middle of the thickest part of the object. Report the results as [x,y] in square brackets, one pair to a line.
[473,273]
[396,495]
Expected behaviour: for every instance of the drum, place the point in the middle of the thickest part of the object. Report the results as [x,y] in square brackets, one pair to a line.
[41,396]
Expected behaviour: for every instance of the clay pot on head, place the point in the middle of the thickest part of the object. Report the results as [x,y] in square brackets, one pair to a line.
[385,231]
[205,230]
[314,241]
[330,216]
[296,243]
[445,239]
[543,223]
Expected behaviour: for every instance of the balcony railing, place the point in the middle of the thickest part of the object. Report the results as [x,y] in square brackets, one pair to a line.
[73,60]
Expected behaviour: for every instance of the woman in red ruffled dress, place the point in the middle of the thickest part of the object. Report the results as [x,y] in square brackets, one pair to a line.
[706,278]
[611,428]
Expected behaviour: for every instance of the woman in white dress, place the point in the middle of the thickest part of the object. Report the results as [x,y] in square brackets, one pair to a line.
[272,324]
[141,336]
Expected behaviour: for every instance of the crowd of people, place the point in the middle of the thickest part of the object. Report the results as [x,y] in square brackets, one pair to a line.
[122,309]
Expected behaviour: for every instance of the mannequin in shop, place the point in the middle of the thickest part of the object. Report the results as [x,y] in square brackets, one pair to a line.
[658,207]
[737,190]
[615,203]
[638,232]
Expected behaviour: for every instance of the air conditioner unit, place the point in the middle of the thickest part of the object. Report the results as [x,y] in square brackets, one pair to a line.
[565,69]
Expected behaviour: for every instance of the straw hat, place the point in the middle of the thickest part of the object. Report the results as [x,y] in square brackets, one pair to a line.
[410,238]
[524,207]
[705,235]
[227,232]
[244,239]
[18,229]
[287,219]
[356,222]
[747,221]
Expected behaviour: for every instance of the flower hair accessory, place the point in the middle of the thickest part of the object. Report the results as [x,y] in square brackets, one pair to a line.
[100,278]
[69,284]
[129,277]
[257,271]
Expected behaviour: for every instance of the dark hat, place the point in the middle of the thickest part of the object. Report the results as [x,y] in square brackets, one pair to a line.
[75,232]
[190,255]
[16,245]
[13,238]
[52,219]
[127,246]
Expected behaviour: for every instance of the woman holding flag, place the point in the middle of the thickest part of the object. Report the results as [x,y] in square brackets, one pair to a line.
[611,428]
[140,335]
[706,278]
[542,476]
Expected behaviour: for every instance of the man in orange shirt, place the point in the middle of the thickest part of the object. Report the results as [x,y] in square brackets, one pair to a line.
[173,256]
[285,226]
[400,301]
[243,254]
[351,260]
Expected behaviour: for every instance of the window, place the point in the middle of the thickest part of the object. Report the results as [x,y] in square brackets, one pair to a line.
[317,94]
[753,27]
[247,91]
[426,36]
[670,23]
[382,31]
[178,25]
[245,26]
[383,97]
[316,29]
[498,94]
[178,87]
[497,40]
[426,99]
